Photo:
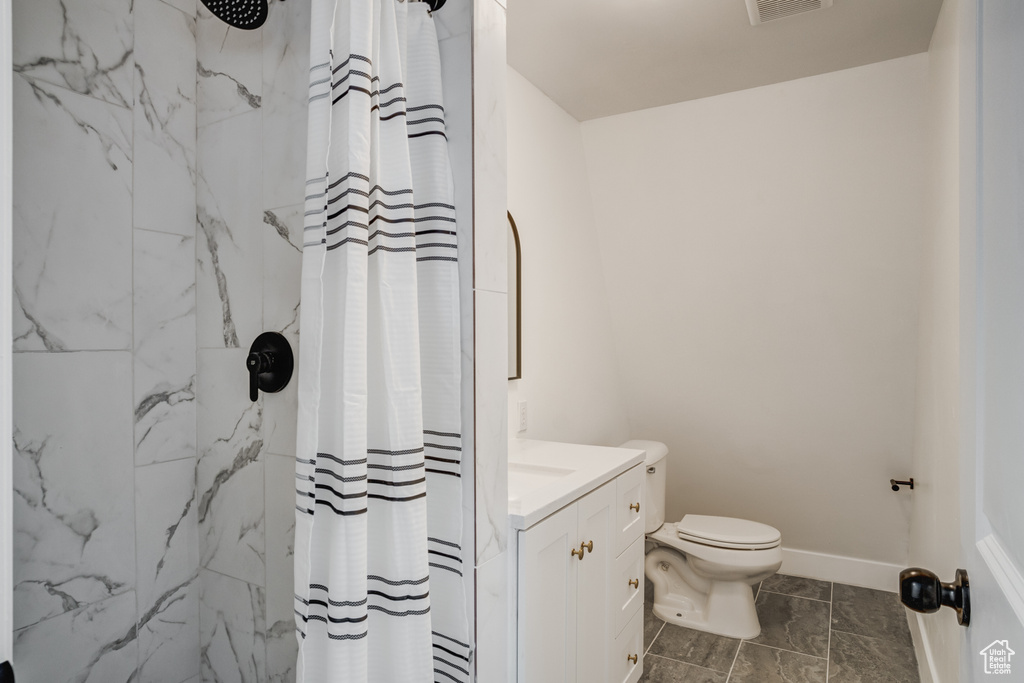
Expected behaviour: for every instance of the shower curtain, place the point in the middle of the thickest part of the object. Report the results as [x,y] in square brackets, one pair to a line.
[378,563]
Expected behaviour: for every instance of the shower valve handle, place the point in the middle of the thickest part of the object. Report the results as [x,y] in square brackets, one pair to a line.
[270,364]
[257,362]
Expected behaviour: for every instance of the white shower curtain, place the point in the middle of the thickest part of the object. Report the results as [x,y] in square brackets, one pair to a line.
[378,563]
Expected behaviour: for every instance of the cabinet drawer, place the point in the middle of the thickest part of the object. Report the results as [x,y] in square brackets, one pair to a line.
[627,597]
[629,507]
[628,644]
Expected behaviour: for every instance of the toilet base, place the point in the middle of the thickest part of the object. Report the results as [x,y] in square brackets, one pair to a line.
[725,608]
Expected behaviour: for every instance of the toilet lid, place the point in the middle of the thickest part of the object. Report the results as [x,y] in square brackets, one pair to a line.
[728,532]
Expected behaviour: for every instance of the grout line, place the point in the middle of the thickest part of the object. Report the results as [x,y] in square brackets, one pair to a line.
[782,649]
[828,650]
[801,597]
[697,666]
[861,635]
[134,353]
[655,638]
[734,658]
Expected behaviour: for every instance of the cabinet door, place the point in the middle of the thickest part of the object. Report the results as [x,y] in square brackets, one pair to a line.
[629,507]
[547,599]
[629,644]
[596,512]
[627,589]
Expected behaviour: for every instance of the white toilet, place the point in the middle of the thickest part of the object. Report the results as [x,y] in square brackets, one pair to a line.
[703,567]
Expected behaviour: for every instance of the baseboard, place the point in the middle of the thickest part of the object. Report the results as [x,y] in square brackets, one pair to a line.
[923,648]
[850,570]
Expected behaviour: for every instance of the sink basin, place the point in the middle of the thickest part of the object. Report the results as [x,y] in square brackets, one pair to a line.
[545,476]
[524,478]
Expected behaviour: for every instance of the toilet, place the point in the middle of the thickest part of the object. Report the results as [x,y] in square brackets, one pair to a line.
[703,567]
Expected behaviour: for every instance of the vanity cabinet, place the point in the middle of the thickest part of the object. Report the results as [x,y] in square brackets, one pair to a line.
[580,589]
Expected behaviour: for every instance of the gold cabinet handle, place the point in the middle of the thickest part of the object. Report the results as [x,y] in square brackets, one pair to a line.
[578,553]
[631,658]
[635,506]
[635,583]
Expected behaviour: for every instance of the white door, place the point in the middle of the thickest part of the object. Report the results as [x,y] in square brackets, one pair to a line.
[992,452]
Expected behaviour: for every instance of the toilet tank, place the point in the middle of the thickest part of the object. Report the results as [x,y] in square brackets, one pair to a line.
[654,482]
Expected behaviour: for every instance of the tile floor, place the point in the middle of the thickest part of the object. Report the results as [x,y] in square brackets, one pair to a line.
[811,632]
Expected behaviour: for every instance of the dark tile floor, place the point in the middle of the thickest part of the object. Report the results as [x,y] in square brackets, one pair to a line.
[811,632]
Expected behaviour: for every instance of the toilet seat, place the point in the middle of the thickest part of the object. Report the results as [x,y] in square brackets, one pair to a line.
[727,532]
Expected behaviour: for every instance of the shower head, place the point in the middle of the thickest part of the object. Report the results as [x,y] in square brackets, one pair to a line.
[244,14]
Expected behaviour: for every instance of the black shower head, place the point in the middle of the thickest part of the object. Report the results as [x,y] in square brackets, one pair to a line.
[245,14]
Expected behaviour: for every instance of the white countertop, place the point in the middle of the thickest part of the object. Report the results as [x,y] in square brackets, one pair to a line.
[544,476]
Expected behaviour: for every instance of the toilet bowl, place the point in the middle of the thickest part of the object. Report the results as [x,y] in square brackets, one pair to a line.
[702,567]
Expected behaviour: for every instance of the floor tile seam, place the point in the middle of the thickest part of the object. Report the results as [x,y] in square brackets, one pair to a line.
[655,638]
[736,656]
[683,661]
[828,648]
[782,649]
[885,639]
[688,663]
[801,597]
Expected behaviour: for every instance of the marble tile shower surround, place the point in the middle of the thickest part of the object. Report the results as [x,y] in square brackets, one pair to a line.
[154,521]
[82,233]
[86,47]
[106,525]
[251,98]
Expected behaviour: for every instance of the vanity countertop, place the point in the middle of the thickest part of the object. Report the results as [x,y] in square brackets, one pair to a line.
[544,476]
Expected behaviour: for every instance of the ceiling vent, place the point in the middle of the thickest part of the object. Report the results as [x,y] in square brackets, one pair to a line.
[761,11]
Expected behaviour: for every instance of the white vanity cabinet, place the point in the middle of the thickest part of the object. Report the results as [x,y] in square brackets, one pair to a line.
[580,588]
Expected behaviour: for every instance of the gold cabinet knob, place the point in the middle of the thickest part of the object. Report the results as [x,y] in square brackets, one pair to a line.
[635,506]
[635,583]
[589,545]
[631,658]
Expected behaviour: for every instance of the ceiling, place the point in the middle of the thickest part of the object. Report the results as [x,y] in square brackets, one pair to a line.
[601,57]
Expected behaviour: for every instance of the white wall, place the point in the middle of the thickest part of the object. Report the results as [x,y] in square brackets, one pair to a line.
[934,527]
[570,377]
[762,254]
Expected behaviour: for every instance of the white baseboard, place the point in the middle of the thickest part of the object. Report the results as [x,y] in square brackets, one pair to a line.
[850,570]
[923,647]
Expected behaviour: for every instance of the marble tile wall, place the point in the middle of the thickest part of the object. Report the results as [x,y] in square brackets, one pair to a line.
[250,191]
[490,298]
[454,24]
[159,164]
[106,527]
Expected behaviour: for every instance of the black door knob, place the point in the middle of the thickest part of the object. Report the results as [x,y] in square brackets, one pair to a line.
[921,591]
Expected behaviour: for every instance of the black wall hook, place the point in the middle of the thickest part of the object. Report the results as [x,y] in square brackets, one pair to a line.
[270,364]
[896,484]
